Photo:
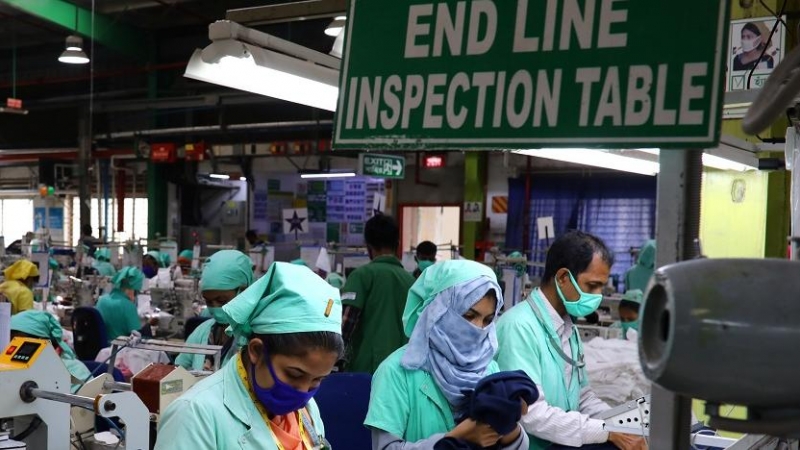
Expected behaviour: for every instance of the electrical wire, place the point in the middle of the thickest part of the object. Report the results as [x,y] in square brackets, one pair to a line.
[94,372]
[773,13]
[35,423]
[766,44]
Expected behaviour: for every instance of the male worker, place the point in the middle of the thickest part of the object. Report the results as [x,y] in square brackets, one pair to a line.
[425,257]
[374,297]
[88,240]
[539,337]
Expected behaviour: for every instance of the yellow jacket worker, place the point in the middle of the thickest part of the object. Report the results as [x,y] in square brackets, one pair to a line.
[20,278]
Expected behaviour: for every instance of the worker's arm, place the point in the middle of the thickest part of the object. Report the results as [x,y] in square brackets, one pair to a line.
[382,440]
[591,405]
[354,297]
[23,301]
[188,423]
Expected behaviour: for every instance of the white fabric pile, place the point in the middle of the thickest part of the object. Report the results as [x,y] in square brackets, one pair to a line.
[615,374]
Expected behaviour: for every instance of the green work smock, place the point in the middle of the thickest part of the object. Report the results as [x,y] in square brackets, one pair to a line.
[218,413]
[104,268]
[408,403]
[119,314]
[201,336]
[524,345]
[379,289]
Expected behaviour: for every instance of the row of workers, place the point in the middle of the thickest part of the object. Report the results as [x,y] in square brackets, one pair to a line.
[288,329]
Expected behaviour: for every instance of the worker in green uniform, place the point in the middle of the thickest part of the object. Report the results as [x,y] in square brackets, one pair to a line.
[43,325]
[102,262]
[374,297]
[225,275]
[118,307]
[639,275]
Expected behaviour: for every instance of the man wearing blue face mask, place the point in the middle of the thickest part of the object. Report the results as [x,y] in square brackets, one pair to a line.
[539,337]
[226,274]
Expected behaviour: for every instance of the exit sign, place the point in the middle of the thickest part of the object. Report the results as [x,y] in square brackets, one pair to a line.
[434,161]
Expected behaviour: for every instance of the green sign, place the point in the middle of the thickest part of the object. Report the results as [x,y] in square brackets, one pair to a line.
[420,74]
[382,166]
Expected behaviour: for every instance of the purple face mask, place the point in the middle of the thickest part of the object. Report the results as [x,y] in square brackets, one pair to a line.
[149,271]
[281,398]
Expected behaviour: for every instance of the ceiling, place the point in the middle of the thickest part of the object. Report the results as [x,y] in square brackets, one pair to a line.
[135,79]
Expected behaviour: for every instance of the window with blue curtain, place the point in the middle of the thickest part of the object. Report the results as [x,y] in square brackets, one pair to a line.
[619,208]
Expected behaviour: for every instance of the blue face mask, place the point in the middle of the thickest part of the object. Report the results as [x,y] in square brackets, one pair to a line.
[586,303]
[281,398]
[149,271]
[629,326]
[219,315]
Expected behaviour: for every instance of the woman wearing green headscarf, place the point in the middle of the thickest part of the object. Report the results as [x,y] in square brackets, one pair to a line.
[225,275]
[102,262]
[42,325]
[118,307]
[419,390]
[290,324]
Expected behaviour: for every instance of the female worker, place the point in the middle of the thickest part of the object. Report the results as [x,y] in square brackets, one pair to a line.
[102,262]
[225,275]
[185,261]
[290,322]
[418,391]
[20,278]
[753,54]
[152,261]
[629,311]
[42,325]
[118,307]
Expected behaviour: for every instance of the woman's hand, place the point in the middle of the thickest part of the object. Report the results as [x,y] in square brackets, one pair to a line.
[477,433]
[627,441]
[514,435]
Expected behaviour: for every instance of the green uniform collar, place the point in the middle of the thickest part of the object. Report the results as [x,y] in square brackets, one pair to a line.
[388,259]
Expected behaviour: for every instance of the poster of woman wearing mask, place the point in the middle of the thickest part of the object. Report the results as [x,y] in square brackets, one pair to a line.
[752,50]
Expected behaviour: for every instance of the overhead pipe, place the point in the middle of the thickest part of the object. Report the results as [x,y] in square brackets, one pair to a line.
[212,128]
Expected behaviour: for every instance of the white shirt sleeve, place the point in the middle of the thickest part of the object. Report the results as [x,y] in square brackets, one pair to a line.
[573,429]
[591,405]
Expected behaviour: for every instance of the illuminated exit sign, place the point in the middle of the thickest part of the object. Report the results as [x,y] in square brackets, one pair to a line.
[434,161]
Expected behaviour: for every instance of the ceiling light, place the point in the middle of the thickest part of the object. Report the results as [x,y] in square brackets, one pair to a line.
[220,176]
[595,158]
[74,51]
[242,178]
[239,58]
[720,162]
[338,45]
[327,175]
[335,27]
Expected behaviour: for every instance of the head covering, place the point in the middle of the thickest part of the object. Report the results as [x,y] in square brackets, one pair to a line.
[647,256]
[186,254]
[455,352]
[227,270]
[161,258]
[335,280]
[21,270]
[128,278]
[633,295]
[287,299]
[36,245]
[103,254]
[42,325]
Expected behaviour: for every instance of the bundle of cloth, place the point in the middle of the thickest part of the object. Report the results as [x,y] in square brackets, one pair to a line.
[614,371]
[495,402]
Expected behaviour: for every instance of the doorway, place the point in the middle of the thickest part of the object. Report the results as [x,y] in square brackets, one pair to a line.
[440,224]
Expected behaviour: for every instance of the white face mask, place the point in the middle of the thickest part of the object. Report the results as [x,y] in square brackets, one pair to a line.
[749,45]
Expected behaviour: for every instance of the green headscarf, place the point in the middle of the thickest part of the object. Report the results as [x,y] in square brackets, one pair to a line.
[128,278]
[634,295]
[42,325]
[161,258]
[436,279]
[335,280]
[103,254]
[186,254]
[227,270]
[287,299]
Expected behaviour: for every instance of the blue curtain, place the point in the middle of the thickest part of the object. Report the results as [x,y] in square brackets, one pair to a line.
[620,209]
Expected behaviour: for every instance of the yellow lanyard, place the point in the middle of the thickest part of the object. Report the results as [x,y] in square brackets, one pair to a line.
[246,379]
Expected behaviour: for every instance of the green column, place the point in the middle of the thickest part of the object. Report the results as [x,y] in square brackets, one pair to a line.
[156,200]
[474,183]
[778,226]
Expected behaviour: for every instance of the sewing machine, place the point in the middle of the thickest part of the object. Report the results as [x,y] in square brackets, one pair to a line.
[37,396]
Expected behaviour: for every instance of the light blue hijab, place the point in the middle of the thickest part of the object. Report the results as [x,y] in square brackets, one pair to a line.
[454,351]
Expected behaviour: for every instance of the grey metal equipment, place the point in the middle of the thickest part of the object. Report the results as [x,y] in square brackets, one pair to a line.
[725,331]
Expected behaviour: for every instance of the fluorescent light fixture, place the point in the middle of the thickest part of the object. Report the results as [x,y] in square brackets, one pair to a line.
[74,51]
[219,176]
[242,178]
[338,45]
[239,58]
[720,162]
[335,27]
[308,176]
[595,158]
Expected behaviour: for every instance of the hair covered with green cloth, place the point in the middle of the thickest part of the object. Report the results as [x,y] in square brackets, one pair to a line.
[42,325]
[103,254]
[227,270]
[128,278]
[186,254]
[287,299]
[161,258]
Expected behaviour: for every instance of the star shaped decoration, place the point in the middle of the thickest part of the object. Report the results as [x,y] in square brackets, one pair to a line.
[296,223]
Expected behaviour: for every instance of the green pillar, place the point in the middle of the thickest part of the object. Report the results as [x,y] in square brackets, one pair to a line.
[778,227]
[157,201]
[474,183]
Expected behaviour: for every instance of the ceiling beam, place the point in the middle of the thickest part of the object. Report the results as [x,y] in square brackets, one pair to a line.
[74,19]
[287,12]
